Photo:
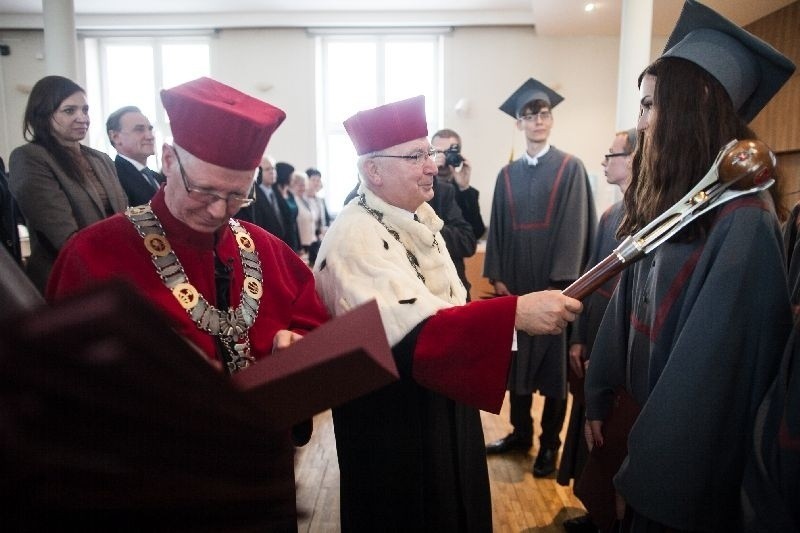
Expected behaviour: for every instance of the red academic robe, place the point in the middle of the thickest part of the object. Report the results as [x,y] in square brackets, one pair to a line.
[114,249]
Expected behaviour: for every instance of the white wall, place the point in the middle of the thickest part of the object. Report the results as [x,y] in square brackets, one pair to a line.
[482,65]
[19,71]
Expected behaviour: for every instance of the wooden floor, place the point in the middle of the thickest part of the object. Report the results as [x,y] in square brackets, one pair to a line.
[520,502]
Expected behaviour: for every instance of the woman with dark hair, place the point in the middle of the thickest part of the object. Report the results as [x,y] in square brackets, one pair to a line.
[695,331]
[287,203]
[60,185]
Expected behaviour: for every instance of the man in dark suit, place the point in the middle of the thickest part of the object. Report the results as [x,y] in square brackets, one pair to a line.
[265,211]
[131,135]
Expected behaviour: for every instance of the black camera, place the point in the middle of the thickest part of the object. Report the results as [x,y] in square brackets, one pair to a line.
[452,156]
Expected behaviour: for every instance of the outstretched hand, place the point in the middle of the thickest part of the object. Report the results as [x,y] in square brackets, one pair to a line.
[545,312]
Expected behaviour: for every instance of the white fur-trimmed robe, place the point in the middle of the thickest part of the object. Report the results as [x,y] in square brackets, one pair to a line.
[360,260]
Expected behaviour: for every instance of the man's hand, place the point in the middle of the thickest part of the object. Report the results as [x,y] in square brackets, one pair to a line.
[545,312]
[593,432]
[462,174]
[577,357]
[500,289]
[283,339]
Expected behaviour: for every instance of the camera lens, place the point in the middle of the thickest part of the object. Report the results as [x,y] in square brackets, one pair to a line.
[452,156]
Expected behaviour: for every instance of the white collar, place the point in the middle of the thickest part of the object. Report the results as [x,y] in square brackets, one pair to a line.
[534,160]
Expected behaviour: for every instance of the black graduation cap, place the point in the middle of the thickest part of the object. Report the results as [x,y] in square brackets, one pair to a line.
[528,92]
[750,70]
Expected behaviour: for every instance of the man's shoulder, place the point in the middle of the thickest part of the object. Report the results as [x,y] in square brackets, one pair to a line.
[561,155]
[124,166]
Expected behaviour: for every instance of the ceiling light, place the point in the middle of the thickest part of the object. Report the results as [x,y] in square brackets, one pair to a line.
[589,7]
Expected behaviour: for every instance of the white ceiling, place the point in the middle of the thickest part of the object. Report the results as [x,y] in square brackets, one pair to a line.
[549,17]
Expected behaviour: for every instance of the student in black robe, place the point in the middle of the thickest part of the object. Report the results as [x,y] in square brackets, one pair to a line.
[696,329]
[539,237]
[616,167]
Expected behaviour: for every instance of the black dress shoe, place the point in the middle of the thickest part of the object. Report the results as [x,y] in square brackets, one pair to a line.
[510,442]
[580,524]
[545,463]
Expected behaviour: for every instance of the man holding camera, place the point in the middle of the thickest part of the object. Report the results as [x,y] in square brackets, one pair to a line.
[455,169]
[455,202]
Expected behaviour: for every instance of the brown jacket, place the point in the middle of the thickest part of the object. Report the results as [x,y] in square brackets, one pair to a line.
[56,205]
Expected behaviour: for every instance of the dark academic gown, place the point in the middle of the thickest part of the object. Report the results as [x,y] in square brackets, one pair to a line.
[695,332]
[457,232]
[584,331]
[138,190]
[771,489]
[791,236]
[411,457]
[540,233]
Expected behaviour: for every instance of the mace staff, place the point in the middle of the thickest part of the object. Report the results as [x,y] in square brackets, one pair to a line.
[741,168]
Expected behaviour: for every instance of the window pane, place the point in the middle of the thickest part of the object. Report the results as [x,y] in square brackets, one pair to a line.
[130,78]
[350,80]
[344,174]
[360,73]
[410,70]
[183,62]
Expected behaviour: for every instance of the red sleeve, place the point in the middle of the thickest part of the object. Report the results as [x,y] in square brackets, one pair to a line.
[464,352]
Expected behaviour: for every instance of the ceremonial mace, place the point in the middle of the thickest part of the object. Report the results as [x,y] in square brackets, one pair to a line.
[747,164]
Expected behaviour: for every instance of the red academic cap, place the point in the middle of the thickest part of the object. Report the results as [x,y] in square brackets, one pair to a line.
[219,124]
[387,125]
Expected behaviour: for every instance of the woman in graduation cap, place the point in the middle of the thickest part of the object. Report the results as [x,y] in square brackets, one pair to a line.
[695,331]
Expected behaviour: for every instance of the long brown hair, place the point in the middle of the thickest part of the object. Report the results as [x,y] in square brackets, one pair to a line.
[44,100]
[694,118]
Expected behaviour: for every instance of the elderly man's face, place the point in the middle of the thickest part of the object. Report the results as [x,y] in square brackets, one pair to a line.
[194,208]
[404,183]
[135,137]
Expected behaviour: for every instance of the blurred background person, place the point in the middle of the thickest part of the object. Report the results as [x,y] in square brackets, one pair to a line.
[265,211]
[286,203]
[131,135]
[616,166]
[9,217]
[322,218]
[305,218]
[454,168]
[59,184]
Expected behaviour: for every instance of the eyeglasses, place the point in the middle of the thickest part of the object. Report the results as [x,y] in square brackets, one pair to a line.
[615,154]
[541,115]
[417,157]
[209,197]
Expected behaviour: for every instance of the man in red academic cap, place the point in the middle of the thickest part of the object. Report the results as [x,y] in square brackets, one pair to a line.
[412,454]
[202,268]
